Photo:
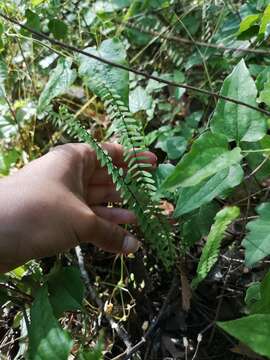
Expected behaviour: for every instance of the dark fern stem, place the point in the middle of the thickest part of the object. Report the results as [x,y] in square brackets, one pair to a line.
[137,187]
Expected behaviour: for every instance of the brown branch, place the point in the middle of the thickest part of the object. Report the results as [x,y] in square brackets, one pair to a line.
[186,41]
[135,71]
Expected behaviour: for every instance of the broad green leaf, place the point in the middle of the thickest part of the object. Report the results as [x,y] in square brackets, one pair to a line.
[66,290]
[247,22]
[47,340]
[191,198]
[238,122]
[265,21]
[58,28]
[253,330]
[60,80]
[210,251]
[257,242]
[91,69]
[139,100]
[3,77]
[262,305]
[209,155]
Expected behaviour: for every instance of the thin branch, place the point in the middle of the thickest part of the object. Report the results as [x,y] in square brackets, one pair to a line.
[129,352]
[121,332]
[186,41]
[257,168]
[135,71]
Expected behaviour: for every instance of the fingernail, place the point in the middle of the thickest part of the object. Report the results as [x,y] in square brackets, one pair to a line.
[130,244]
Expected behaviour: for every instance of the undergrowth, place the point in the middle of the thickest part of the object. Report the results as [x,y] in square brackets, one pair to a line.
[190,82]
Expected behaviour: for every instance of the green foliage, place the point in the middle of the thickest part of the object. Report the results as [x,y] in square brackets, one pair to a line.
[197,225]
[139,100]
[253,330]
[58,28]
[60,80]
[257,242]
[191,198]
[3,76]
[259,158]
[211,249]
[237,122]
[66,290]
[265,22]
[265,93]
[261,305]
[213,154]
[209,154]
[93,71]
[47,340]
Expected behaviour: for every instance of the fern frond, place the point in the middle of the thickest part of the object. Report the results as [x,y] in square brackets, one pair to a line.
[211,249]
[133,187]
[130,136]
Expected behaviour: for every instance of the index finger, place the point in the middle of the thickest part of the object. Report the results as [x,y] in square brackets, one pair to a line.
[116,152]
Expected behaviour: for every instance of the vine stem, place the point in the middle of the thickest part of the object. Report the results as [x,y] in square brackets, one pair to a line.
[135,71]
[186,41]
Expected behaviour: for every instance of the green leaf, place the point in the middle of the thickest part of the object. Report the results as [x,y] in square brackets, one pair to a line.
[198,224]
[58,28]
[191,198]
[3,77]
[265,21]
[262,305]
[33,20]
[2,30]
[91,69]
[252,294]
[210,251]
[60,80]
[247,22]
[209,154]
[66,290]
[47,341]
[253,330]
[255,159]
[37,2]
[8,159]
[257,242]
[139,100]
[235,121]
[265,93]
[174,146]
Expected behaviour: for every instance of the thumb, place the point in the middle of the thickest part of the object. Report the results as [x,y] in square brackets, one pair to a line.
[107,236]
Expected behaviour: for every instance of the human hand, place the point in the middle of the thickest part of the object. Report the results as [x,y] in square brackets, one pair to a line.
[55,203]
